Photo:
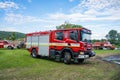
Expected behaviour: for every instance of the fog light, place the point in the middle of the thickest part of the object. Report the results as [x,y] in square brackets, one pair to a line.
[81,52]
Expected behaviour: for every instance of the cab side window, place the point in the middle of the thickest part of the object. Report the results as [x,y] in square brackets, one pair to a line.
[59,35]
[72,35]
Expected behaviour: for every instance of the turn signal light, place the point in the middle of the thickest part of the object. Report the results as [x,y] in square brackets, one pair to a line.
[81,52]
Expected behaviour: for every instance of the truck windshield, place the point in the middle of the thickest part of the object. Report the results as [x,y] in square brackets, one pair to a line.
[85,36]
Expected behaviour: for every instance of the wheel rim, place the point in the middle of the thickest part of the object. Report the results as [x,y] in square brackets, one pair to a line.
[67,57]
[34,53]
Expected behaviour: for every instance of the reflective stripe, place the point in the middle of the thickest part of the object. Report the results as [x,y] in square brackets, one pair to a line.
[58,44]
[75,44]
[54,44]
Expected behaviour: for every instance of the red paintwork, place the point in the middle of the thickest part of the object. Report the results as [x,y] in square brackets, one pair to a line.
[2,43]
[38,33]
[32,47]
[66,39]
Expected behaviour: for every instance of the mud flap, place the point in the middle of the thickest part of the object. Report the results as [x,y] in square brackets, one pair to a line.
[57,58]
[91,54]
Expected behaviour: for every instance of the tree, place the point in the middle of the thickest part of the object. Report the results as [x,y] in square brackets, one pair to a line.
[118,35]
[118,39]
[95,40]
[114,37]
[67,25]
[13,36]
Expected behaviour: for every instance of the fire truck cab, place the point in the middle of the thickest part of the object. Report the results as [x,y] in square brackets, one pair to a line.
[66,45]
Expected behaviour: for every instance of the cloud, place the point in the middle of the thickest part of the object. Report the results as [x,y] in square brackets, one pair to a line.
[96,30]
[91,10]
[97,5]
[9,29]
[99,31]
[76,17]
[101,9]
[86,10]
[40,27]
[18,19]
[8,5]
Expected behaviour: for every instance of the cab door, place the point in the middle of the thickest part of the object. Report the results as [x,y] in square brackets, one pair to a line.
[73,40]
[72,36]
[59,40]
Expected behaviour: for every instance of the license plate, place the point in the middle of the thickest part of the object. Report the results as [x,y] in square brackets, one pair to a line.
[83,56]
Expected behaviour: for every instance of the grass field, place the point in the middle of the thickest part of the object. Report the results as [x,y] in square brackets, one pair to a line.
[107,51]
[18,65]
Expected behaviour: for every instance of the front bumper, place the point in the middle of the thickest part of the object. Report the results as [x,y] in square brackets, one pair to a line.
[84,55]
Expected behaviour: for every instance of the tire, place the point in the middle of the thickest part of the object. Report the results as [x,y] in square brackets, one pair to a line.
[10,47]
[18,47]
[67,58]
[34,53]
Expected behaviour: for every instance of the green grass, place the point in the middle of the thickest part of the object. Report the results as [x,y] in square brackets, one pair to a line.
[18,65]
[107,51]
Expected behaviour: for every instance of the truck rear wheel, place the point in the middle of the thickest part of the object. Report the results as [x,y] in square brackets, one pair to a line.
[67,58]
[34,53]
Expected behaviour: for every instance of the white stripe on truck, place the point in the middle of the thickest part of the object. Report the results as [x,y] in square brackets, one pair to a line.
[54,44]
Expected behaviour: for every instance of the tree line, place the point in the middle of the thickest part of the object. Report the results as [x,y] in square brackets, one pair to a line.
[6,35]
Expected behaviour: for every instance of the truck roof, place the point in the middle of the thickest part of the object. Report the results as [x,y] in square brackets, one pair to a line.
[72,29]
[47,32]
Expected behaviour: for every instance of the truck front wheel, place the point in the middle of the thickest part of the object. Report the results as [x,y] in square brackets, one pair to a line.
[67,57]
[34,53]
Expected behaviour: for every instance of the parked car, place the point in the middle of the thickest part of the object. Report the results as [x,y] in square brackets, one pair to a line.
[6,44]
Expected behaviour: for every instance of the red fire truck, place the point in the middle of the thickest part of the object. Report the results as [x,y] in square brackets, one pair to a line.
[103,45]
[66,45]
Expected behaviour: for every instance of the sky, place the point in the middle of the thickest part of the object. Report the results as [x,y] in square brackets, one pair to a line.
[100,16]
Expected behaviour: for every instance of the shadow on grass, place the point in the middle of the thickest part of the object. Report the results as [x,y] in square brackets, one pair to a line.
[86,62]
[1,52]
[3,49]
